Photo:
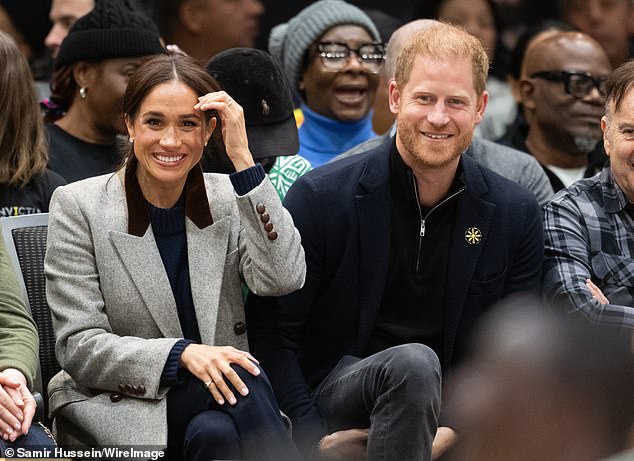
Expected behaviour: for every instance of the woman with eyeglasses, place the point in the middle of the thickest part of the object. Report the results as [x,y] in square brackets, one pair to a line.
[332,54]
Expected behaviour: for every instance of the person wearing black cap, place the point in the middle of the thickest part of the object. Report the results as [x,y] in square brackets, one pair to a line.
[255,81]
[92,70]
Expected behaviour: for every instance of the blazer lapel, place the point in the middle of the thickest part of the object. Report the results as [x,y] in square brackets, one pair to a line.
[374,214]
[470,233]
[141,258]
[207,250]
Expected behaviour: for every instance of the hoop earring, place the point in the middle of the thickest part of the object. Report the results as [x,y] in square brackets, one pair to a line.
[82,92]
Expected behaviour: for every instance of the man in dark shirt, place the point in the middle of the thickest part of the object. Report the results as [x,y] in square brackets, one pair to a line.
[562,96]
[405,246]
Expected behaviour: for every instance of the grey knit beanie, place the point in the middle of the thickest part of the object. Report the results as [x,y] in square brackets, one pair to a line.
[289,42]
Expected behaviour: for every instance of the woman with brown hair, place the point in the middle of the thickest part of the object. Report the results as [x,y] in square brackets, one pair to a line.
[26,185]
[144,271]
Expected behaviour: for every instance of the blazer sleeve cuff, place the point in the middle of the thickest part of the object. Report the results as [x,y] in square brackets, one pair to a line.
[246,180]
[171,375]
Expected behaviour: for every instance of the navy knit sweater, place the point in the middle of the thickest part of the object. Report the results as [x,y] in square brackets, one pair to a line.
[168,226]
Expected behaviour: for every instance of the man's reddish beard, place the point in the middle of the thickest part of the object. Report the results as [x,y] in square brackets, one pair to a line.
[430,155]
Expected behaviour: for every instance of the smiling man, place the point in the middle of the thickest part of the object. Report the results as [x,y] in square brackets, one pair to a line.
[589,253]
[406,245]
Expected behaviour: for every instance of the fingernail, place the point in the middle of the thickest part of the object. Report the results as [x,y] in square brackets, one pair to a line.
[17,426]
[221,402]
[244,391]
[9,431]
[19,416]
[256,371]
[233,401]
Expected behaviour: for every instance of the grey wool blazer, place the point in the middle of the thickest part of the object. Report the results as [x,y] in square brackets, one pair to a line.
[113,311]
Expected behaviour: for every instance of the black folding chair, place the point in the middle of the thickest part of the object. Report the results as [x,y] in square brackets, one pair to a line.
[25,239]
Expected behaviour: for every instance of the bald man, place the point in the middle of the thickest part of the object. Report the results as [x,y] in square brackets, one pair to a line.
[563,97]
[507,162]
[382,117]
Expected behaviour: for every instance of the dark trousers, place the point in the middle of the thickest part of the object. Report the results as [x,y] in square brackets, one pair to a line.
[201,429]
[395,393]
[38,439]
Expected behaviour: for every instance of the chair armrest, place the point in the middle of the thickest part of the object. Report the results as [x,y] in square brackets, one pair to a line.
[40,411]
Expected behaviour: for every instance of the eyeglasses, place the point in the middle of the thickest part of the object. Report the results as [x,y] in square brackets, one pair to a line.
[577,84]
[334,56]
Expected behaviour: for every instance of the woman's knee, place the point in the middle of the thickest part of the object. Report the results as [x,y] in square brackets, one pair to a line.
[211,430]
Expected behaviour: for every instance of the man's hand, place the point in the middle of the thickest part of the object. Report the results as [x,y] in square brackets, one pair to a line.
[350,445]
[444,440]
[596,292]
[17,406]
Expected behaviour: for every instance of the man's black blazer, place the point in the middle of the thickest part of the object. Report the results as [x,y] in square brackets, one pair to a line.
[343,213]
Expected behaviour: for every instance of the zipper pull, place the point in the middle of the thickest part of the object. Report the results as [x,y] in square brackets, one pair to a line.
[422,228]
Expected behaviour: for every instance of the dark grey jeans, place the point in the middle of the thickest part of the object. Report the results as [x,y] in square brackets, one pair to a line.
[395,392]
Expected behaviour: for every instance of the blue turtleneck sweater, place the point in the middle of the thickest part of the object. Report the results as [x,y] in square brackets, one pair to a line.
[321,138]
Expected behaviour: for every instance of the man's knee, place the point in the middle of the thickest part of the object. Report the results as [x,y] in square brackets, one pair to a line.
[415,363]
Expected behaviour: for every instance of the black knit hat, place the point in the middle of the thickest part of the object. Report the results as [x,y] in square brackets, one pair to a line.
[257,83]
[111,30]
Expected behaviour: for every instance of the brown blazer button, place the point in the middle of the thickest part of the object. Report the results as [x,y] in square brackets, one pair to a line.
[129,389]
[268,226]
[121,387]
[240,328]
[115,397]
[265,218]
[141,389]
[272,235]
[135,389]
[260,208]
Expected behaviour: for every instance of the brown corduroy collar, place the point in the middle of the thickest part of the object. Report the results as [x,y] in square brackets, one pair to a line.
[196,203]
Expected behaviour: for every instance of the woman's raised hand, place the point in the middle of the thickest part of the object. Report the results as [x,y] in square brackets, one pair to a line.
[234,132]
[211,364]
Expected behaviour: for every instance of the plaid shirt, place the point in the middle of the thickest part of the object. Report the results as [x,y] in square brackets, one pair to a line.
[589,231]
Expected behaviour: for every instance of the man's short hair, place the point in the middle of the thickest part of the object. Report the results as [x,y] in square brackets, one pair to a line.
[441,42]
[618,84]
